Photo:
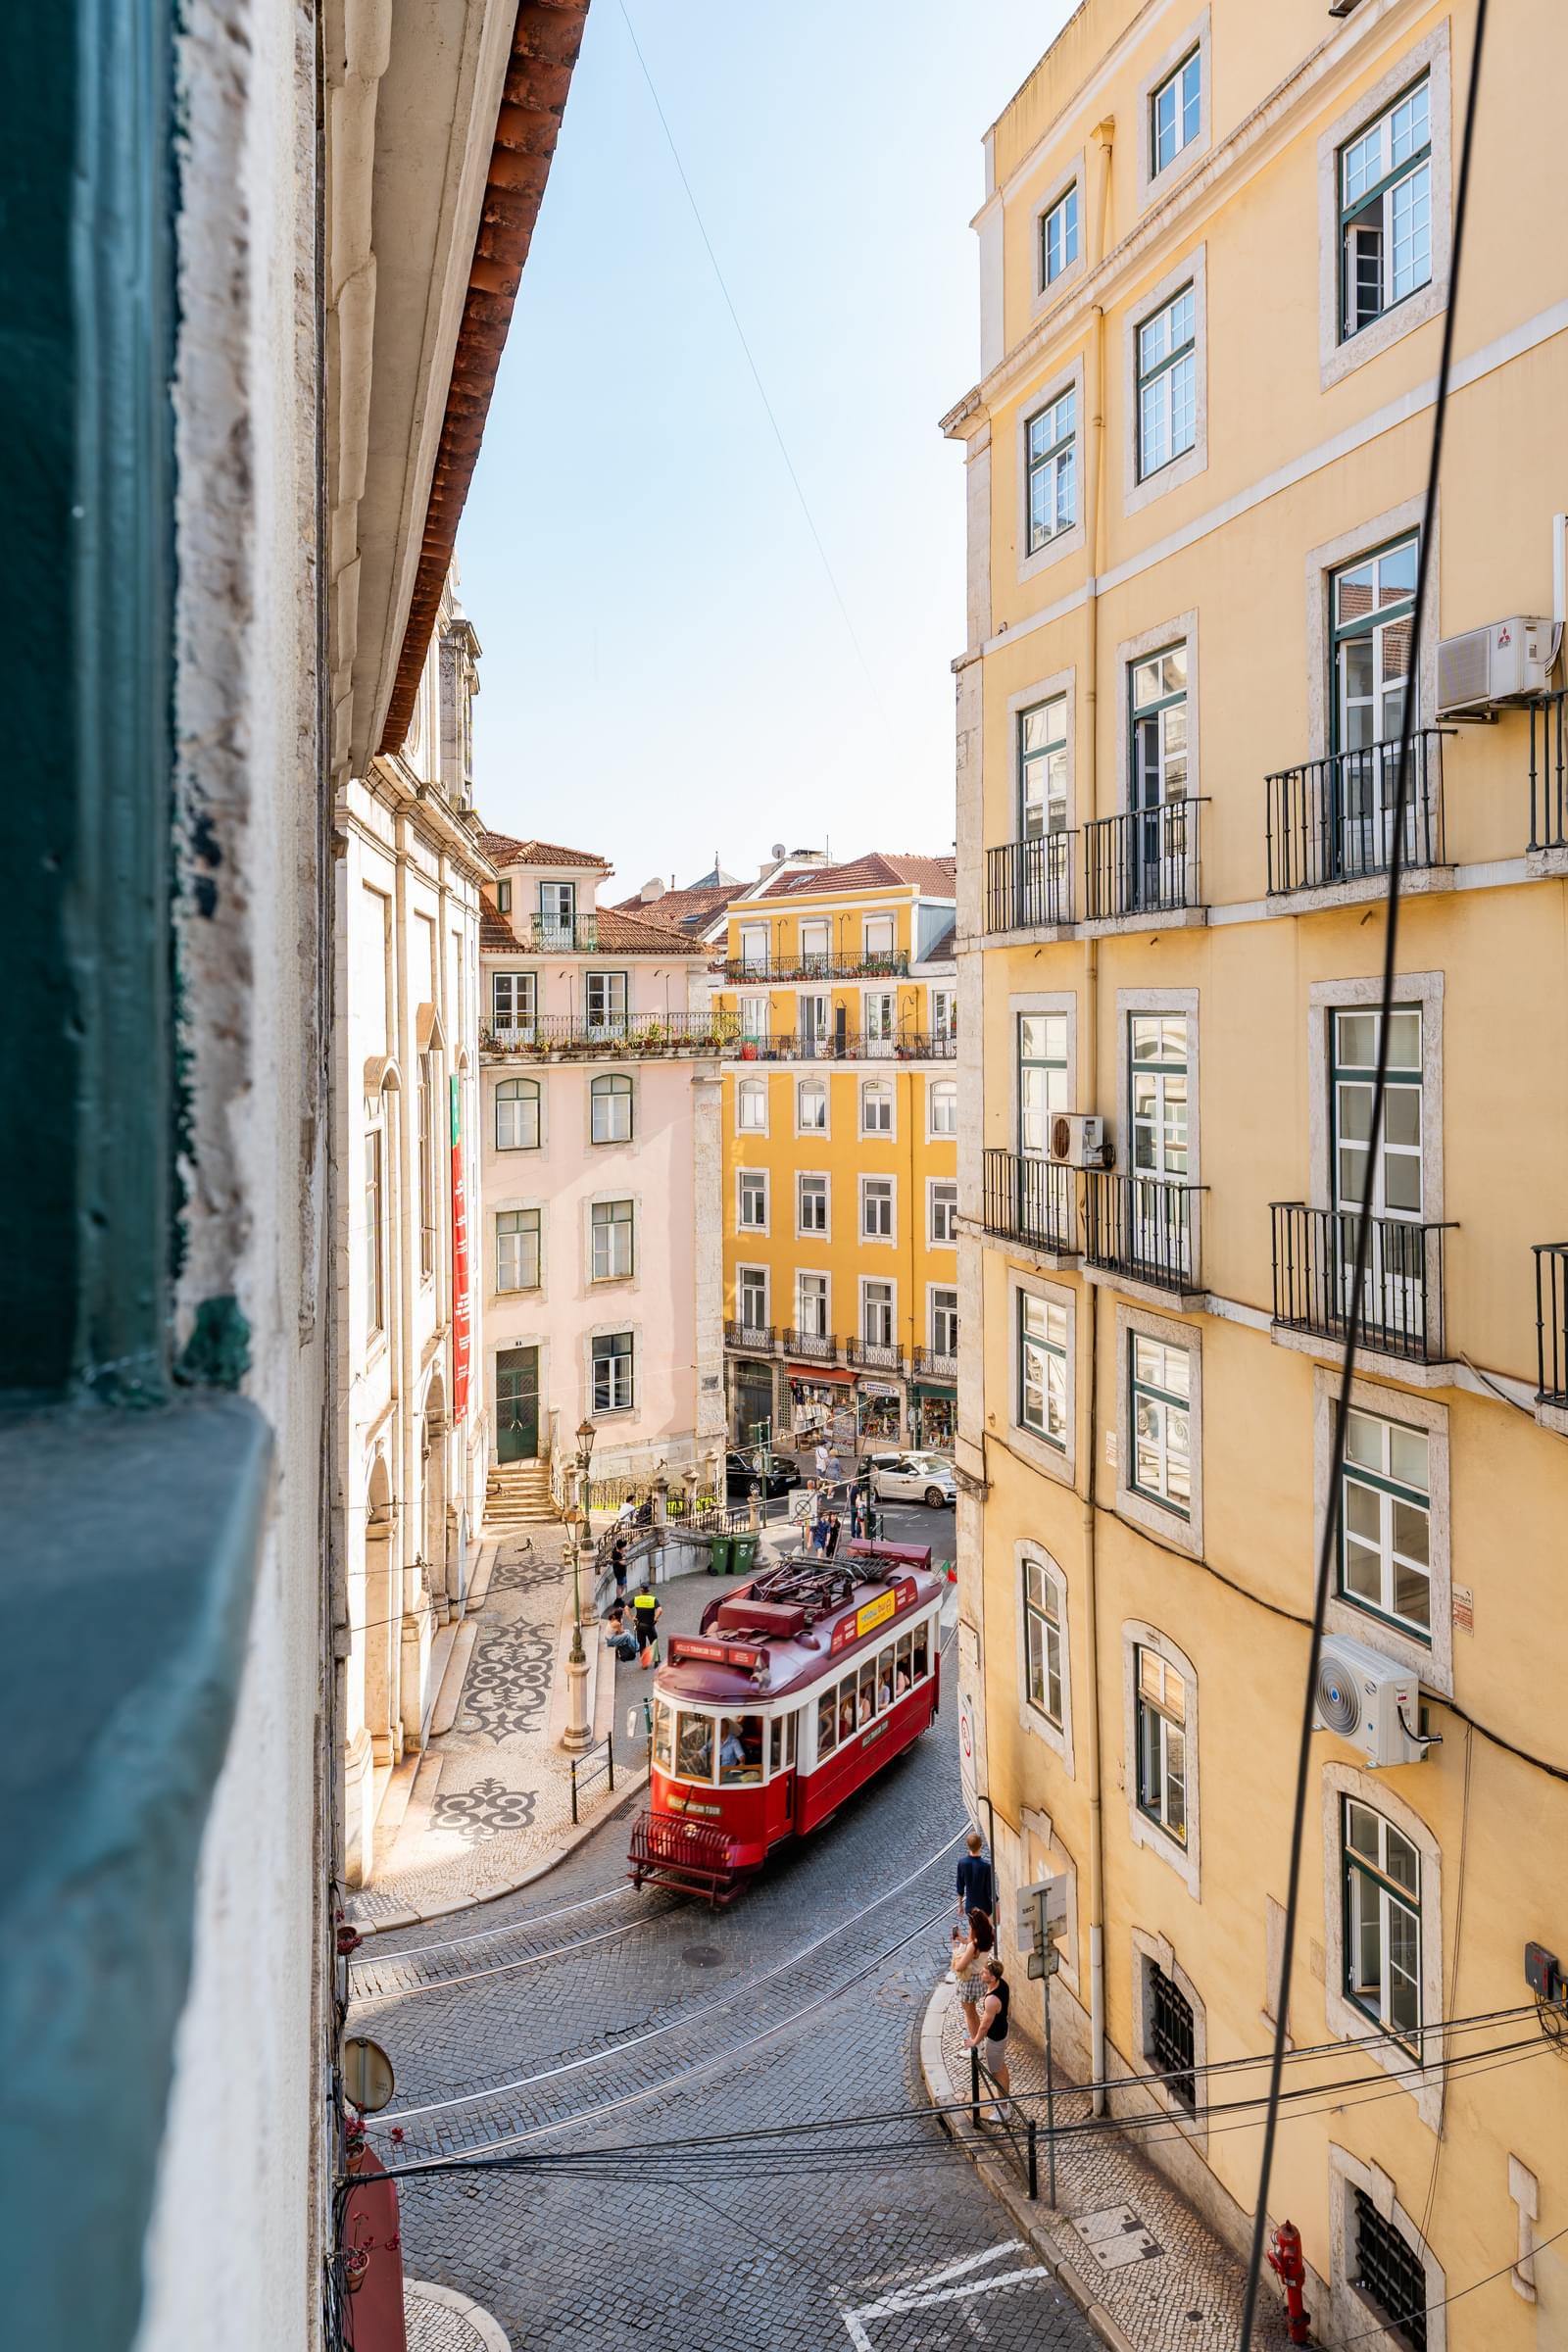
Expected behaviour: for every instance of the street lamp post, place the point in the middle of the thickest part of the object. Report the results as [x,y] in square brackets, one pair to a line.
[578,1733]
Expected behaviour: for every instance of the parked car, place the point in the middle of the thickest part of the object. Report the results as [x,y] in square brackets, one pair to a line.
[912,1478]
[741,1474]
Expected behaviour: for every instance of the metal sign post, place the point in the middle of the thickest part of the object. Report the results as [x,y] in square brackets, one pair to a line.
[1041,1914]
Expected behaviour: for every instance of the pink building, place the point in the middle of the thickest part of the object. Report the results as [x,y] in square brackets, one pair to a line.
[600,1119]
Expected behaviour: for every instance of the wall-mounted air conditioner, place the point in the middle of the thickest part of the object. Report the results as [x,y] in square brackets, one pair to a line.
[1369,1701]
[1077,1139]
[1506,662]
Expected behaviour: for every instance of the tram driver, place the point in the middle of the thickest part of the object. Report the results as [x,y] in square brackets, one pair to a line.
[740,1748]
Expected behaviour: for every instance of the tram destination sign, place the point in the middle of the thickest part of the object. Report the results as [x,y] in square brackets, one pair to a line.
[744,1654]
[873,1613]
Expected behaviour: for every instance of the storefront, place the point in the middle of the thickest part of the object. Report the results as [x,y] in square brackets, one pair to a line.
[822,1402]
[934,1419]
[879,1405]
[752,1414]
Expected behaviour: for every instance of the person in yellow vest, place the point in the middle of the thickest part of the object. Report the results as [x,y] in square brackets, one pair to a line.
[646,1613]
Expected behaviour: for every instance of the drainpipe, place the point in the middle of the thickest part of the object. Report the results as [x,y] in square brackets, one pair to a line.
[1089,1094]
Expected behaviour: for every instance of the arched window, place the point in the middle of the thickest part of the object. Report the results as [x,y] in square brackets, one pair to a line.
[810,1107]
[944,1107]
[517,1114]
[876,1106]
[750,1107]
[610,1112]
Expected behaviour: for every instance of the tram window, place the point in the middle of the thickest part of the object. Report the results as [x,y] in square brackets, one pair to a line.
[694,1748]
[789,1737]
[884,1678]
[847,1707]
[900,1671]
[775,1744]
[740,1748]
[663,1731]
[867,1699]
[828,1722]
[921,1660]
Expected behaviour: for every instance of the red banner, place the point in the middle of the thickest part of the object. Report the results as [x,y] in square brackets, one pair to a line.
[462,1316]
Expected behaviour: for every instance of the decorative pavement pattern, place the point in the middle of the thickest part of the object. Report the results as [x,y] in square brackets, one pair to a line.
[438,2320]
[508,1690]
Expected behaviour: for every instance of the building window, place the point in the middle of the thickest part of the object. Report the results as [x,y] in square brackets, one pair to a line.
[1158,1095]
[753,1297]
[1161,1422]
[1041,1077]
[1042,1641]
[756,1019]
[943,1213]
[612,1373]
[1162,1744]
[610,1227]
[812,1204]
[811,1305]
[607,1002]
[1381,1922]
[1391,1188]
[752,1213]
[1043,769]
[1389,2272]
[810,1107]
[943,1102]
[877,1314]
[1372,606]
[558,910]
[517,1114]
[944,1322]
[518,1250]
[876,1208]
[1059,237]
[512,1000]
[1385,194]
[1167,383]
[374,1239]
[751,1106]
[503,897]
[1171,2035]
[611,1109]
[944,1013]
[753,946]
[1386,1522]
[1043,1368]
[1051,459]
[816,946]
[876,1106]
[1175,112]
[878,938]
[427,1179]
[880,1008]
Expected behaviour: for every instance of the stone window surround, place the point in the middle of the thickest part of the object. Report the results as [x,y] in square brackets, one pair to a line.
[1072,175]
[1180,630]
[936,1135]
[877,1240]
[931,1184]
[510,1206]
[1030,1719]
[1063,683]
[815,1234]
[741,1082]
[1395,523]
[1150,1953]
[827,1106]
[876,1135]
[1153,185]
[822,1274]
[1142,491]
[766,1228]
[612,1329]
[1183,1860]
[766,1272]
[1326,996]
[1352,2315]
[1053,1001]
[1051,1859]
[1336,360]
[1142,1510]
[526,1078]
[1059,1463]
[1434,1661]
[891,1282]
[931,1289]
[622,1143]
[1425,2085]
[1069,378]
[600,1200]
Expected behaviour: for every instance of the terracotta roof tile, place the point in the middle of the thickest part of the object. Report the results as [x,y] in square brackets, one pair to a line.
[876,870]
[503,850]
[616,933]
[685,909]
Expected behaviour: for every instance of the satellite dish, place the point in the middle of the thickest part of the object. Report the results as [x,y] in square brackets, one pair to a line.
[367,2077]
[778,848]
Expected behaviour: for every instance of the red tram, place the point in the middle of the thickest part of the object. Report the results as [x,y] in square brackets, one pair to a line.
[802,1685]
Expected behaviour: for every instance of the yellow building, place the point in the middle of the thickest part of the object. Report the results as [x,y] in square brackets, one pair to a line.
[841,1114]
[1214,265]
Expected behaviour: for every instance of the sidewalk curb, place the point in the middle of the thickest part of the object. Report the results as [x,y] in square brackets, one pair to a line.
[486,2326]
[1046,2238]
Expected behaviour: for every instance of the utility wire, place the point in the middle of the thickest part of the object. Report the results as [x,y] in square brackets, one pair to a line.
[757,375]
[1330,1520]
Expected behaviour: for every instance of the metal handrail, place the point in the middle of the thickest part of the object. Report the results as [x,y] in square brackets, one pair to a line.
[1143,1227]
[815,1346]
[894,965]
[936,1360]
[1549,771]
[583,1769]
[757,1339]
[848,1044]
[1551,1322]
[622,1033]
[1029,883]
[1332,820]
[874,1357]
[1145,861]
[1023,2132]
[1025,1198]
[1403,1299]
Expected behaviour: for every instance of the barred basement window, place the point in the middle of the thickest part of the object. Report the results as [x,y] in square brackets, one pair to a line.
[1391,2272]
[1170,2035]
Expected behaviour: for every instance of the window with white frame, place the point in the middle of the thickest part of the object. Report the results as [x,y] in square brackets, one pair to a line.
[558,910]
[610,1108]
[1389,1186]
[1159,1096]
[943,1339]
[751,1212]
[1167,382]
[612,1373]
[812,1204]
[517,1114]
[1161,1722]
[876,1106]
[811,1305]
[942,1103]
[877,1314]
[1043,769]
[426,1109]
[810,1107]
[1386,1521]
[1381,1921]
[814,1024]
[518,1250]
[512,1000]
[1160,1411]
[751,1106]
[1051,460]
[1042,1642]
[1041,1077]
[944,1013]
[1059,236]
[755,947]
[878,936]
[1371,613]
[751,1282]
[606,1001]
[880,1008]
[1159,737]
[943,1213]
[1175,113]
[374,1234]
[876,1208]
[1384,196]
[817,944]
[1043,1368]
[756,1016]
[612,1229]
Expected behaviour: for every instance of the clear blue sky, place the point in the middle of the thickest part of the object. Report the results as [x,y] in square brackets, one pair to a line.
[666,670]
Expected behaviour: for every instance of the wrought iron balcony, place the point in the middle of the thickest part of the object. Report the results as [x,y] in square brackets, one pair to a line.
[555,935]
[1029,883]
[643,1033]
[1552,1323]
[765,971]
[871,1356]
[1402,1298]
[1143,1227]
[848,1045]
[1332,820]
[1549,771]
[1143,862]
[812,1346]
[757,1338]
[1028,1200]
[938,1364]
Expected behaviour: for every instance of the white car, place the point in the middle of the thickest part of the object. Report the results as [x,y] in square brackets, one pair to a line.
[912,1478]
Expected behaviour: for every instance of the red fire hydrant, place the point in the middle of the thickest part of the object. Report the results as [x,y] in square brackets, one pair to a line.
[1285,2258]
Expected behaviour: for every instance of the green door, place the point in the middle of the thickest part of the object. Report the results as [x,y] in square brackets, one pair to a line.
[517,1404]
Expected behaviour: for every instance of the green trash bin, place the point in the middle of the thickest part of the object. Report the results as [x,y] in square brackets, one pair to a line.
[745,1554]
[719,1557]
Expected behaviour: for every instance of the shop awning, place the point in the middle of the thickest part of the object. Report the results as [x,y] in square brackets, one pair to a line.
[820,1372]
[935,1388]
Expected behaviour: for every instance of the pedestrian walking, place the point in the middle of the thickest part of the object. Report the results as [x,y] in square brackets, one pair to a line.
[976,1880]
[830,1542]
[990,2034]
[968,1965]
[823,1459]
[617,1562]
[647,1612]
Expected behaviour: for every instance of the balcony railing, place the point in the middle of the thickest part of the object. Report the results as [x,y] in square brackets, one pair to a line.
[938,1363]
[1403,1301]
[848,1044]
[1552,1323]
[671,1033]
[556,935]
[757,1339]
[1549,771]
[1143,1226]
[1143,863]
[1027,1199]
[812,1346]
[1332,820]
[765,971]
[871,1356]
[1029,883]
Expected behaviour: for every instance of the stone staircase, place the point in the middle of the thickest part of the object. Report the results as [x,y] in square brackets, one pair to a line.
[518,1494]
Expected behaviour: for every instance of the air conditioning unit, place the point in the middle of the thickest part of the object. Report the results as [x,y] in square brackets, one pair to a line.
[1077,1139]
[1366,1698]
[1506,663]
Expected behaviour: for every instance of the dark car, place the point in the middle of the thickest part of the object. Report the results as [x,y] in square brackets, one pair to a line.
[741,1475]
